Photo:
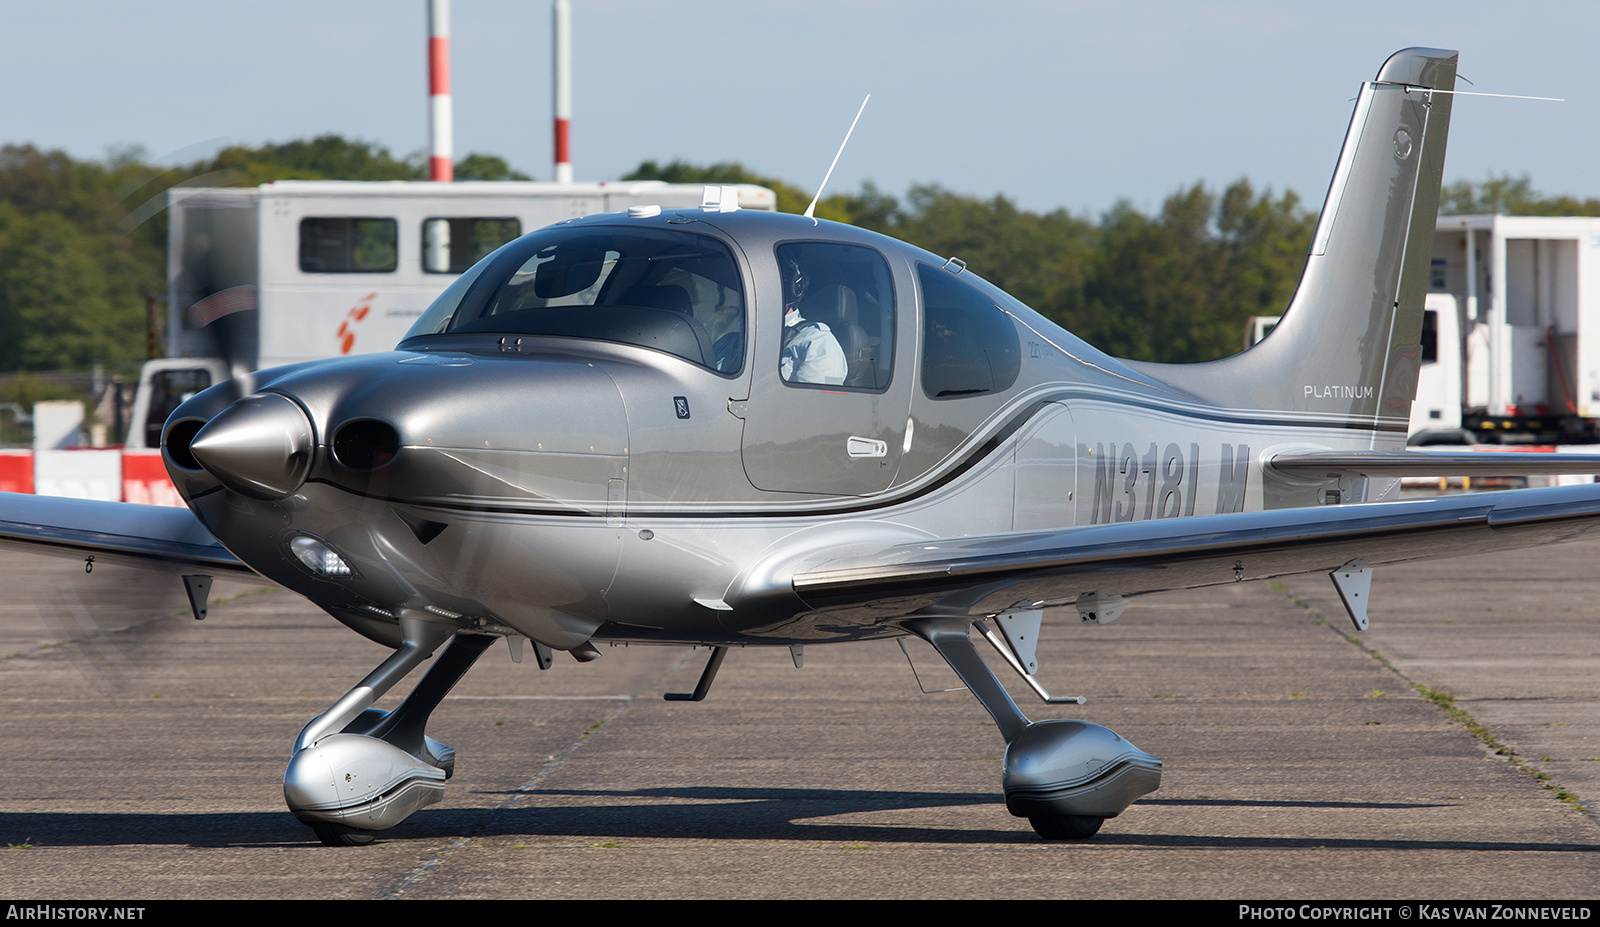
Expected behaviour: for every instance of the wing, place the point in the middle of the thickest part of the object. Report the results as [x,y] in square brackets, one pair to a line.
[991,574]
[151,537]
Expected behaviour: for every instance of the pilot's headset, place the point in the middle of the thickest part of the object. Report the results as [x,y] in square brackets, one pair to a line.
[795,281]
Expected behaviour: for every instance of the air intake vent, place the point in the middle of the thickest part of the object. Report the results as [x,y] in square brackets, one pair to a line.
[365,444]
[177,441]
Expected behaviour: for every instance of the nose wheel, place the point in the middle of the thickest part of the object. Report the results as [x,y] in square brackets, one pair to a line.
[1064,826]
[357,770]
[341,835]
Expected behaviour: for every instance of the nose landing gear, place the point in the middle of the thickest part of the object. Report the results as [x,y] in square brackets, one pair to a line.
[357,770]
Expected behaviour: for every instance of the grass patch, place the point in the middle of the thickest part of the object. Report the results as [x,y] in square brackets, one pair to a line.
[1447,703]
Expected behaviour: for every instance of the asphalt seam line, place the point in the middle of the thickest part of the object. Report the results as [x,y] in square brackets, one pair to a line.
[416,875]
[1447,704]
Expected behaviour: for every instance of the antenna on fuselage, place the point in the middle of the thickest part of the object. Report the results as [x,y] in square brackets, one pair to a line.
[812,208]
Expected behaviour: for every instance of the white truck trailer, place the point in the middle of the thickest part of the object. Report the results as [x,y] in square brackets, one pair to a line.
[1511,332]
[1527,300]
[300,270]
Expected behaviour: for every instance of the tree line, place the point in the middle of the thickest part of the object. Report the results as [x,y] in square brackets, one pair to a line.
[83,242]
[1177,286]
[83,245]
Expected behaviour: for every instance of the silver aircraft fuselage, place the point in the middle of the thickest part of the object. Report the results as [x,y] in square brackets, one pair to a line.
[721,427]
[568,489]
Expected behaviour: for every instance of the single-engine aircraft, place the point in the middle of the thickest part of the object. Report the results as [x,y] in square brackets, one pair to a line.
[720,428]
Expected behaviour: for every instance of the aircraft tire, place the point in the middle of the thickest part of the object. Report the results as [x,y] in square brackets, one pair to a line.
[1065,826]
[341,835]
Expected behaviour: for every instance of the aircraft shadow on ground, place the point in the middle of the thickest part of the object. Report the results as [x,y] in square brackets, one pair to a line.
[704,813]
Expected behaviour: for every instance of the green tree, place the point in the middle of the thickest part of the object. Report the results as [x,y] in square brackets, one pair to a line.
[1509,196]
[477,166]
[1265,242]
[327,157]
[1179,287]
[62,306]
[870,209]
[1040,259]
[790,197]
[74,273]
[82,244]
[1175,287]
[1149,288]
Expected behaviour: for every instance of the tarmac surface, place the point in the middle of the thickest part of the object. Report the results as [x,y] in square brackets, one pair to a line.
[144,753]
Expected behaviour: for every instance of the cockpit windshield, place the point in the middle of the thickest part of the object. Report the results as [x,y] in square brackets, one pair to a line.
[676,292]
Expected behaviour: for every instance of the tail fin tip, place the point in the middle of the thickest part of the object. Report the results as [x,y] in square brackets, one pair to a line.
[1433,68]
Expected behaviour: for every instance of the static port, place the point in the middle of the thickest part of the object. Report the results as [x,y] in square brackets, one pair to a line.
[366,444]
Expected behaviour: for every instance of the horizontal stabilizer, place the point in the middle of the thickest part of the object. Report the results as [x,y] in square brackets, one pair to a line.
[1433,463]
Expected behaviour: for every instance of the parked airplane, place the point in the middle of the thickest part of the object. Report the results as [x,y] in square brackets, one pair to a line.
[715,427]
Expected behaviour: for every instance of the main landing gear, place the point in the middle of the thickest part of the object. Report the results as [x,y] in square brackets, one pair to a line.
[1065,777]
[356,769]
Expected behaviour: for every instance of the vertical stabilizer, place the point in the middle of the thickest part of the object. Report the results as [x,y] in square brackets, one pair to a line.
[1348,347]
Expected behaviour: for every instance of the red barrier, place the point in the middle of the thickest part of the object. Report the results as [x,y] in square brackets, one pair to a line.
[144,480]
[16,471]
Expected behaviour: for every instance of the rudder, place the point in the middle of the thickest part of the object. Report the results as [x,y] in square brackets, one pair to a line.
[1349,345]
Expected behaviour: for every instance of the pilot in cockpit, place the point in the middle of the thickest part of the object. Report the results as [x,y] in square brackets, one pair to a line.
[811,353]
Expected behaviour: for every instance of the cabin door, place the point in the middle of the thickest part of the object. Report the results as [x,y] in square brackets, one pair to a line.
[831,390]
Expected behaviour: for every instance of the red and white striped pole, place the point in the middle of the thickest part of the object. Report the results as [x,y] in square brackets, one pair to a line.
[441,165]
[563,90]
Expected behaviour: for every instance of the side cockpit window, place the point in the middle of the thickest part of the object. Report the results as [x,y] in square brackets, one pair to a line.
[838,306]
[675,292]
[969,347]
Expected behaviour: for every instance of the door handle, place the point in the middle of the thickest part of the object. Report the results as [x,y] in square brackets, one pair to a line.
[866,447]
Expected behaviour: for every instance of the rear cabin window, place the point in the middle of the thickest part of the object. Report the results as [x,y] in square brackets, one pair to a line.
[450,246]
[838,305]
[344,245]
[675,292]
[969,347]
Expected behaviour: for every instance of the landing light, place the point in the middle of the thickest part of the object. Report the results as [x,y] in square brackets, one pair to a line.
[318,556]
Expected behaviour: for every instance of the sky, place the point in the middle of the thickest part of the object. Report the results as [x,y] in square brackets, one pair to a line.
[1064,104]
